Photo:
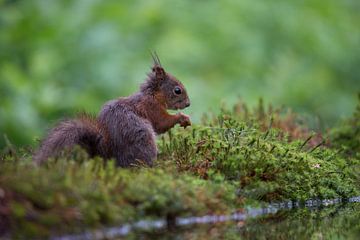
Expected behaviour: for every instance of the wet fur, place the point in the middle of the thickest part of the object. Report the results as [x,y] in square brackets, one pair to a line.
[125,128]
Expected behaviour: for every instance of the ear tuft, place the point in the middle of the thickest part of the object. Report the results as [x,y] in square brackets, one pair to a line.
[155,58]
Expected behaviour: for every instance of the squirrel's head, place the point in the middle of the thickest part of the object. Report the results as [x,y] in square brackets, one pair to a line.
[166,88]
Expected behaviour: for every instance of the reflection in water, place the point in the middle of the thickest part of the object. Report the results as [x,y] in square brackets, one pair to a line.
[331,222]
[314,219]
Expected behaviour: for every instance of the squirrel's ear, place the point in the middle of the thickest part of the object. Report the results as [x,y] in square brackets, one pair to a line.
[159,72]
[157,68]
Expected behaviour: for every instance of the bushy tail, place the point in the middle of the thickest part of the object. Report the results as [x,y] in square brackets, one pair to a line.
[83,131]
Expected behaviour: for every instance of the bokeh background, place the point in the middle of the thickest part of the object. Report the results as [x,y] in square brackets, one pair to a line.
[59,57]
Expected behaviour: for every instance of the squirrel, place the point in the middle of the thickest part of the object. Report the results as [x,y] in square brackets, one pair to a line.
[126,127]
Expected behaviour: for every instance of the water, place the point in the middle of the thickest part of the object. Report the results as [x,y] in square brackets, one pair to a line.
[314,219]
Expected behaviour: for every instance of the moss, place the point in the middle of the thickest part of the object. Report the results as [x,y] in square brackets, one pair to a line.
[67,195]
[263,163]
[237,157]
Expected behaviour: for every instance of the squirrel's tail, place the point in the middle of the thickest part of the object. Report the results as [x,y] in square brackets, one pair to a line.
[83,131]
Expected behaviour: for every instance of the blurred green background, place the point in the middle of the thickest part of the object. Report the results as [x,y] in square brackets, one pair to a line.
[59,57]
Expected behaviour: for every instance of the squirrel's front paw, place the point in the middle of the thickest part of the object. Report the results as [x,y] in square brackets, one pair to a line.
[184,120]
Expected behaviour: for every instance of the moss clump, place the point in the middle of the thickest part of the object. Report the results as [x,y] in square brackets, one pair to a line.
[68,195]
[262,163]
[291,125]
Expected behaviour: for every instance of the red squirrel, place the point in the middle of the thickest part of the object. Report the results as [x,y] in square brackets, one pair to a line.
[125,127]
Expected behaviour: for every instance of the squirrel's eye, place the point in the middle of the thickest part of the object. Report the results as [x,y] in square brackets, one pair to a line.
[177,90]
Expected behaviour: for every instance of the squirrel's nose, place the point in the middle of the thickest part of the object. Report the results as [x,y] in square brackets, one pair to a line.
[187,104]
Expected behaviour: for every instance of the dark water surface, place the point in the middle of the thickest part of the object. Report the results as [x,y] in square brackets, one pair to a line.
[332,222]
[326,219]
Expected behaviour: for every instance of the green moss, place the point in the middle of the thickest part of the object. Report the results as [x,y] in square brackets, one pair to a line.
[262,163]
[217,167]
[90,193]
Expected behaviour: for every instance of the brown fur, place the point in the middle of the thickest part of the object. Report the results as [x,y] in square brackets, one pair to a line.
[125,128]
